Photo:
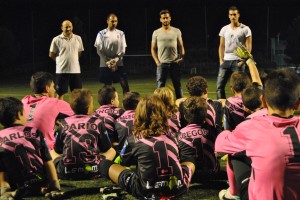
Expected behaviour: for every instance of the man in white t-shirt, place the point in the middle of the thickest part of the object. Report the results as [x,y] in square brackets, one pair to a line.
[111,45]
[66,49]
[231,36]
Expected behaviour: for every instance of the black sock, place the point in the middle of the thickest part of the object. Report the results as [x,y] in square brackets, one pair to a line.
[104,166]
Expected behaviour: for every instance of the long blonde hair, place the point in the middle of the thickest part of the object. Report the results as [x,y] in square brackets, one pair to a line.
[150,118]
[167,96]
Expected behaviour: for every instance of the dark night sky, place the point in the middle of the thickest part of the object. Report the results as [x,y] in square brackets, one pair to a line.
[29,26]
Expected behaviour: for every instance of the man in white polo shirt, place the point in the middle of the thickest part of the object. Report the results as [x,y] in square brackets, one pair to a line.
[66,49]
[231,36]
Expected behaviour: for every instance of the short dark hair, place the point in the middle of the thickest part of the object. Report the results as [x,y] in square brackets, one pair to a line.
[282,88]
[196,86]
[251,97]
[39,81]
[131,100]
[80,100]
[106,94]
[195,110]
[165,11]
[9,108]
[239,81]
[233,8]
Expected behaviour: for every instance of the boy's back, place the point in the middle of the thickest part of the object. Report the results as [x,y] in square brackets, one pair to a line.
[80,139]
[174,122]
[275,155]
[108,114]
[199,141]
[124,127]
[23,153]
[234,112]
[234,106]
[158,163]
[42,113]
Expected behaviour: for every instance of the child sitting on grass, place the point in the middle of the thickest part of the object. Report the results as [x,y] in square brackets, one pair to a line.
[124,124]
[25,162]
[167,96]
[108,111]
[159,172]
[81,140]
[197,139]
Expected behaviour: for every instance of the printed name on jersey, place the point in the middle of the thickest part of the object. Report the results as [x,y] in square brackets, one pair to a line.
[15,136]
[192,133]
[127,116]
[88,126]
[109,111]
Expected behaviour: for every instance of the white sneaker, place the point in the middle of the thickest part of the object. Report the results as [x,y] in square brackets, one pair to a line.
[225,195]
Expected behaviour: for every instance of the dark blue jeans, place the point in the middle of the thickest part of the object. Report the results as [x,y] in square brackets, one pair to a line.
[225,71]
[162,74]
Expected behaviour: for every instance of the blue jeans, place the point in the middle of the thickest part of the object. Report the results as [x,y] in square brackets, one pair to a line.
[225,71]
[162,74]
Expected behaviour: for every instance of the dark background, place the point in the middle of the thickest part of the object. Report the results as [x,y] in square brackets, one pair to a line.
[27,28]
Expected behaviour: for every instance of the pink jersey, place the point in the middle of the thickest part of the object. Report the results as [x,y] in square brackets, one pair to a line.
[108,114]
[42,113]
[234,112]
[273,145]
[124,127]
[80,139]
[23,154]
[174,122]
[261,112]
[198,141]
[158,164]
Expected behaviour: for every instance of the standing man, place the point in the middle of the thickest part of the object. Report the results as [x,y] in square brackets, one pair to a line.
[111,45]
[165,41]
[66,49]
[231,36]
